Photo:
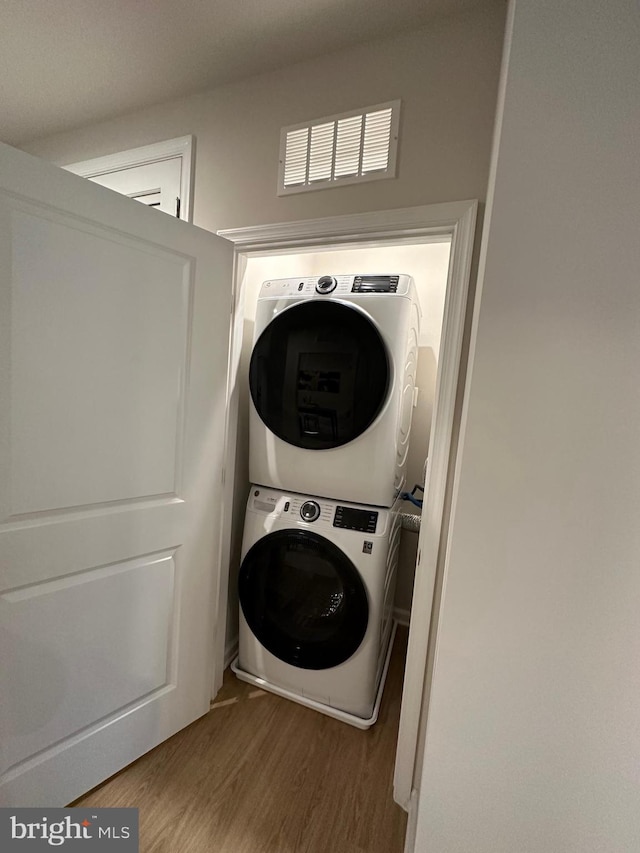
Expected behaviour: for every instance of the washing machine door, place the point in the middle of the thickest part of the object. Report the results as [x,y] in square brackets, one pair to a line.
[303,599]
[319,374]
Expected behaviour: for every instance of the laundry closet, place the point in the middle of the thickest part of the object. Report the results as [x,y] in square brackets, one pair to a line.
[423,266]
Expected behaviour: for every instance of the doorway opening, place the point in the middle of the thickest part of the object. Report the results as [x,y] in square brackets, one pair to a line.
[433,244]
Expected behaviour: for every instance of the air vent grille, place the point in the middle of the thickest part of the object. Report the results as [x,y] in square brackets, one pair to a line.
[340,149]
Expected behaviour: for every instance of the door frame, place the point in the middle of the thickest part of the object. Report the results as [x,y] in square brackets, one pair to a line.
[456,221]
[182,147]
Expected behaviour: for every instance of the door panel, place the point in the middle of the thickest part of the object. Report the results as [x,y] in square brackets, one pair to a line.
[45,695]
[113,363]
[119,344]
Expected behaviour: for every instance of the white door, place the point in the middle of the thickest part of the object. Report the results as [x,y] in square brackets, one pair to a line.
[114,339]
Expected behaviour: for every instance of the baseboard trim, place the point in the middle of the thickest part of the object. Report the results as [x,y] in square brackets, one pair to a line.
[412,824]
[401,616]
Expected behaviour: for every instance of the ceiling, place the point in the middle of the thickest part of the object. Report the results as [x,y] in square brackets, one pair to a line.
[67,63]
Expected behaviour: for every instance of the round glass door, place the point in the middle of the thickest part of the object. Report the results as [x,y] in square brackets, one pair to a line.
[319,374]
[303,599]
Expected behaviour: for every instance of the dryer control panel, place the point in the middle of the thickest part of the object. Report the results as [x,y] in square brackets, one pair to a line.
[375,284]
[332,286]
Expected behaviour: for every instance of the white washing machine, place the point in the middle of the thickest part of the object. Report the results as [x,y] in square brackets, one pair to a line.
[332,383]
[316,589]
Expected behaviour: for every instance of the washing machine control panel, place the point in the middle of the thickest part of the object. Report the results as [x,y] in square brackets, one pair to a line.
[350,518]
[310,510]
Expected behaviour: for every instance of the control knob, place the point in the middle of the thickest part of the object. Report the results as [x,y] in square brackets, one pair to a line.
[310,510]
[326,284]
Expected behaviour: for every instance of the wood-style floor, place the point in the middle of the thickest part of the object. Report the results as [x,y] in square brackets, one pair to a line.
[261,774]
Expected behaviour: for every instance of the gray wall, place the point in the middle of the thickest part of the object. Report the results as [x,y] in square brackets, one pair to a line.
[533,741]
[446,76]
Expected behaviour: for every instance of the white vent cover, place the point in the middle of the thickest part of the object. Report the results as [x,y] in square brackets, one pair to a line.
[341,149]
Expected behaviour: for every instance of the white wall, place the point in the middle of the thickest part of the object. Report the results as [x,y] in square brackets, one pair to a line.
[446,76]
[533,738]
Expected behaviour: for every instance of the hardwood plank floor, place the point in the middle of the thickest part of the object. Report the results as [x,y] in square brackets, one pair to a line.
[261,774]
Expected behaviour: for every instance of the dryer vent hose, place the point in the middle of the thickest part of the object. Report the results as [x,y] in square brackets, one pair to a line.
[409,521]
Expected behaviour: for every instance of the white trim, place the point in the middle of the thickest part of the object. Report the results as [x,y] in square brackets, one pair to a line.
[433,503]
[412,823]
[434,220]
[455,220]
[182,146]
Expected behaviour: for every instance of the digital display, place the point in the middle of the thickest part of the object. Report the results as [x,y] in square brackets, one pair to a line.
[375,284]
[355,519]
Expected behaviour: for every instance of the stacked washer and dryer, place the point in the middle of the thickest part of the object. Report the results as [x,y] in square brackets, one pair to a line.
[332,381]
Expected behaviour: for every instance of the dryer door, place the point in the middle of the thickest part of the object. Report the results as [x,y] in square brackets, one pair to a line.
[319,374]
[303,599]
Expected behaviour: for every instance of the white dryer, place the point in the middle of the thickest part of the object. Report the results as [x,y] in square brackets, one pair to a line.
[332,381]
[316,589]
